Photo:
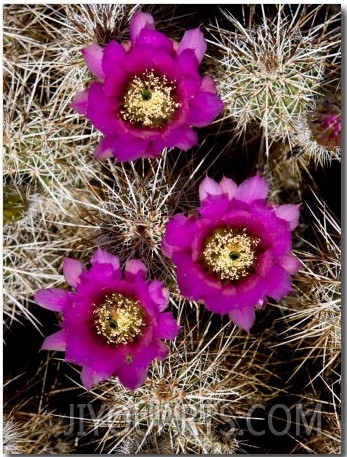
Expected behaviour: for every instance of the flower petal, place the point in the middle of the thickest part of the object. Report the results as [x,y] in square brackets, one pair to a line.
[214,206]
[194,283]
[188,64]
[167,326]
[243,317]
[208,85]
[188,88]
[139,22]
[134,373]
[104,149]
[183,138]
[53,299]
[115,82]
[155,148]
[209,187]
[127,147]
[102,111]
[80,102]
[222,301]
[72,271]
[193,39]
[165,64]
[252,290]
[289,213]
[102,256]
[215,198]
[254,189]
[139,59]
[134,376]
[101,276]
[91,378]
[278,283]
[159,294]
[179,234]
[55,342]
[154,39]
[85,349]
[135,269]
[228,186]
[93,56]
[204,109]
[113,56]
[264,263]
[290,263]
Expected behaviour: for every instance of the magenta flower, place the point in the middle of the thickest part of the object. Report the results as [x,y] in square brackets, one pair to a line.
[148,92]
[326,126]
[112,325]
[236,251]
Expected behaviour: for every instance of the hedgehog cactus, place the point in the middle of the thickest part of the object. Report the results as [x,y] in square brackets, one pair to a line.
[220,389]
[271,74]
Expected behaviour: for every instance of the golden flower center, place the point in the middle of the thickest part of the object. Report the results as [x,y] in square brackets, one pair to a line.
[229,253]
[149,101]
[119,319]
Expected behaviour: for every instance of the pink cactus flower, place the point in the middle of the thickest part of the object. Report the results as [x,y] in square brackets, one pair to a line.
[112,324]
[236,251]
[326,126]
[148,93]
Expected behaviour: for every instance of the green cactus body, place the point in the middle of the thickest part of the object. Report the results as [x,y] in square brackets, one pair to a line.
[15,205]
[271,77]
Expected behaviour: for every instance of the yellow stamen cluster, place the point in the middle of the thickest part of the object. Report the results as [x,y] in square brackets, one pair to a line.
[149,100]
[229,253]
[119,319]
